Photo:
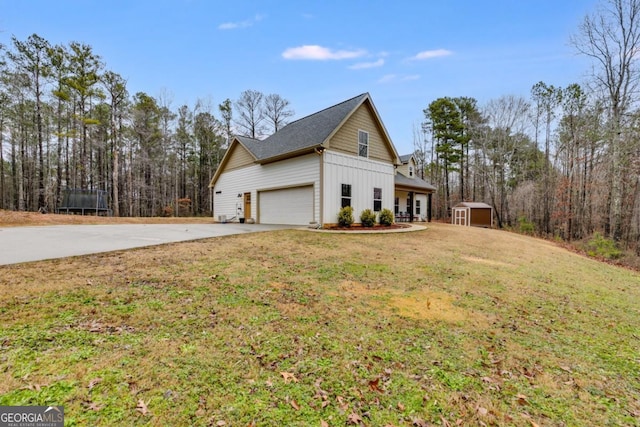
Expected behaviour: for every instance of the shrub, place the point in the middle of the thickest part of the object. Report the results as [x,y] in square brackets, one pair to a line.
[525,226]
[367,218]
[386,217]
[600,246]
[345,216]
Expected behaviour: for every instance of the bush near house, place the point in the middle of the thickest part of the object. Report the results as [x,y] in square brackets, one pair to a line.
[345,216]
[386,217]
[367,218]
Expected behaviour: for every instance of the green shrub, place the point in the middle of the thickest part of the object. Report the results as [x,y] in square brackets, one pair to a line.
[600,246]
[525,226]
[345,216]
[367,218]
[386,217]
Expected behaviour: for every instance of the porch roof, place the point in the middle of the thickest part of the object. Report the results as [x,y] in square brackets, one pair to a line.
[413,184]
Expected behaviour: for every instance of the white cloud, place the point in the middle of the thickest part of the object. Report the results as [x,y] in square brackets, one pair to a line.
[363,65]
[410,77]
[242,24]
[428,54]
[319,53]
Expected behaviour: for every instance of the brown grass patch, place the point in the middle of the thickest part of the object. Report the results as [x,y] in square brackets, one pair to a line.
[422,304]
[17,219]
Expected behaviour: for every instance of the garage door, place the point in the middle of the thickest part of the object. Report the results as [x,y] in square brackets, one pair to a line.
[287,206]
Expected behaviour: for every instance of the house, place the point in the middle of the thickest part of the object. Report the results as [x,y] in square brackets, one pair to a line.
[472,214]
[412,193]
[309,169]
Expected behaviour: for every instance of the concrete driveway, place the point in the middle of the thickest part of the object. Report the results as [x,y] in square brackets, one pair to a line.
[24,244]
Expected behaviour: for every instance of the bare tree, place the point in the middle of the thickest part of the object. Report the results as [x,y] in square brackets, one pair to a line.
[227,116]
[250,113]
[611,38]
[276,111]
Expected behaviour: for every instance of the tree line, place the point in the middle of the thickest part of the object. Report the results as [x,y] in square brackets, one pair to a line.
[67,122]
[563,162]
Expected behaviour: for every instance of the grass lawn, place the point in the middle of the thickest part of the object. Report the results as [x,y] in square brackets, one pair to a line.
[447,326]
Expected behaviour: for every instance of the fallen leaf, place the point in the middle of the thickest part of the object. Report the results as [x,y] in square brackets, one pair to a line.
[142,407]
[287,376]
[354,418]
[533,424]
[482,411]
[94,406]
[400,406]
[221,423]
[295,405]
[343,405]
[445,423]
[566,369]
[94,382]
[522,399]
[374,385]
[323,423]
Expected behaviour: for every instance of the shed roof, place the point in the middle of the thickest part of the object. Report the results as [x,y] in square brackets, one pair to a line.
[473,205]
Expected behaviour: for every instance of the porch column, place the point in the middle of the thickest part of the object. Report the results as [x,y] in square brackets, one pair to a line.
[429,207]
[411,203]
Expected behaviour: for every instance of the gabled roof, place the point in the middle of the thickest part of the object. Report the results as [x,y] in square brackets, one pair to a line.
[476,205]
[416,183]
[405,159]
[305,134]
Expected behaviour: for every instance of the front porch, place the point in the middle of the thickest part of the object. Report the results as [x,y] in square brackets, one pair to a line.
[412,199]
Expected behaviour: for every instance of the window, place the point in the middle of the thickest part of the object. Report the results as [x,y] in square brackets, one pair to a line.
[417,207]
[363,144]
[377,199]
[410,170]
[346,195]
[396,205]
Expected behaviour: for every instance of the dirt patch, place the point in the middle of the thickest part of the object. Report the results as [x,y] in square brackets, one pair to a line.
[485,261]
[421,304]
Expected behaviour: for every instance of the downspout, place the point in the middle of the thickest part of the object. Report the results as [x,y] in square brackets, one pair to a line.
[321,189]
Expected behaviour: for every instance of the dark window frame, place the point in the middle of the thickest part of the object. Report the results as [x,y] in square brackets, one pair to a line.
[363,144]
[377,199]
[345,199]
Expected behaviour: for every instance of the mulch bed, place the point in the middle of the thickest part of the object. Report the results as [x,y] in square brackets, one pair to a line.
[376,227]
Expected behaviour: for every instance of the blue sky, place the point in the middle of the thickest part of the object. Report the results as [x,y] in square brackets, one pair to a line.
[319,53]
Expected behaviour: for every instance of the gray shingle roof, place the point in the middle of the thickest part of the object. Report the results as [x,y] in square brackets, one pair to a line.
[405,158]
[304,133]
[413,183]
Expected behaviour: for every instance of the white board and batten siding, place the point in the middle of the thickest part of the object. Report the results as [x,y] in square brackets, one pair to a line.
[363,175]
[290,174]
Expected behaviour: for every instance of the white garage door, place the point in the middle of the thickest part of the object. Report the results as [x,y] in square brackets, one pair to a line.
[287,206]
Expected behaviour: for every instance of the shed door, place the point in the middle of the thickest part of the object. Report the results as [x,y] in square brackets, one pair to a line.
[287,206]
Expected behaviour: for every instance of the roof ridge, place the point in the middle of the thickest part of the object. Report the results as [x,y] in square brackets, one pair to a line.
[328,108]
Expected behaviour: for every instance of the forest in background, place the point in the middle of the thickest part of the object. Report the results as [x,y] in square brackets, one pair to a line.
[564,162]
